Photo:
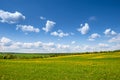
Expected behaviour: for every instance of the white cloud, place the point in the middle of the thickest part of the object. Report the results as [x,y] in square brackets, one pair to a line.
[49,25]
[31,46]
[115,47]
[27,28]
[94,36]
[115,39]
[73,42]
[24,46]
[5,41]
[11,18]
[77,48]
[109,32]
[42,18]
[37,44]
[103,45]
[34,45]
[59,33]
[87,47]
[60,46]
[50,44]
[27,45]
[16,45]
[9,45]
[84,28]
[113,33]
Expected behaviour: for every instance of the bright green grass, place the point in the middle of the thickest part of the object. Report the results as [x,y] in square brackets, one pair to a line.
[104,66]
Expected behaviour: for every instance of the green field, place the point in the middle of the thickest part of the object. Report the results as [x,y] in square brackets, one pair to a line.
[96,66]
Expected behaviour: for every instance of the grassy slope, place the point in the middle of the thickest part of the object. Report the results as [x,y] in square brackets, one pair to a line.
[73,67]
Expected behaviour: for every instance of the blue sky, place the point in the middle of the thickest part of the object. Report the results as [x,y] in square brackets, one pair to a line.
[59,25]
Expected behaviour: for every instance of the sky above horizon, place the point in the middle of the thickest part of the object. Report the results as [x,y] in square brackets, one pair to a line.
[41,26]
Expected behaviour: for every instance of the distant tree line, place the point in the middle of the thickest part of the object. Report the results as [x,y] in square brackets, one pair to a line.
[45,55]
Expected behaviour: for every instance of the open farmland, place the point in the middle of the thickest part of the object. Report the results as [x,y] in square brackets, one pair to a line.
[96,66]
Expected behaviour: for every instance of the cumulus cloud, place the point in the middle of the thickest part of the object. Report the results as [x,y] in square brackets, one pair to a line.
[7,44]
[5,41]
[28,46]
[49,25]
[27,28]
[42,18]
[59,33]
[84,28]
[87,47]
[115,39]
[109,32]
[73,42]
[33,45]
[8,17]
[50,44]
[115,47]
[94,36]
[15,45]
[82,48]
[60,46]
[38,44]
[103,45]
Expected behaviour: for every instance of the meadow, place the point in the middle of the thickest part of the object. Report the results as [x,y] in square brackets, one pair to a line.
[90,66]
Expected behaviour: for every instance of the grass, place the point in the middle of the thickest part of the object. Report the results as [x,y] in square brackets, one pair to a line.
[103,66]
